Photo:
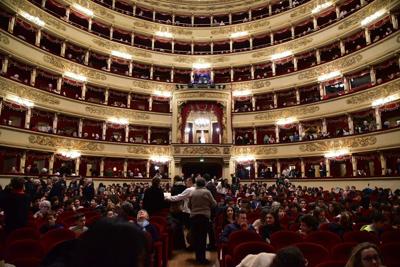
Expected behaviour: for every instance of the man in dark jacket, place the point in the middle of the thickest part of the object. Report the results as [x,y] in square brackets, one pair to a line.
[153,199]
[15,204]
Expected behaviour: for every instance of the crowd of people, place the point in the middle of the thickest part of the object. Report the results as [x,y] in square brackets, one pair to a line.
[200,206]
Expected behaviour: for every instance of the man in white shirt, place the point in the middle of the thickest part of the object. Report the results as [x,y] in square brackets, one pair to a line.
[185,196]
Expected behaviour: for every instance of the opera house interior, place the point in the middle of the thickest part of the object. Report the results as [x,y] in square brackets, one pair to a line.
[256,94]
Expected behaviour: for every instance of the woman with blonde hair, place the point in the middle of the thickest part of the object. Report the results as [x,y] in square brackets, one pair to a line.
[365,255]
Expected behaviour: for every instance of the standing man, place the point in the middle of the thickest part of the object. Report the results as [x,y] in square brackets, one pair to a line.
[15,204]
[185,196]
[200,205]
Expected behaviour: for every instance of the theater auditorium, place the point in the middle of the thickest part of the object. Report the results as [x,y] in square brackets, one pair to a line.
[167,133]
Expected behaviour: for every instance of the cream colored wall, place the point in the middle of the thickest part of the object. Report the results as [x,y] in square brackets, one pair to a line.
[338,30]
[80,109]
[340,105]
[367,56]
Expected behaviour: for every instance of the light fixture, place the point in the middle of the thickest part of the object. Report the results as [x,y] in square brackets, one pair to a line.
[241,93]
[121,54]
[187,130]
[162,93]
[281,55]
[31,18]
[321,7]
[202,122]
[337,153]
[75,76]
[159,159]
[156,168]
[217,130]
[21,101]
[82,9]
[201,65]
[245,158]
[122,121]
[285,121]
[373,17]
[329,75]
[69,153]
[384,100]
[239,34]
[201,160]
[164,34]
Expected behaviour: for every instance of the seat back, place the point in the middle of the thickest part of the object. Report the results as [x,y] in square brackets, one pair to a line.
[282,239]
[314,253]
[27,262]
[325,238]
[390,253]
[21,234]
[333,263]
[56,236]
[239,237]
[342,251]
[252,247]
[390,236]
[360,237]
[21,249]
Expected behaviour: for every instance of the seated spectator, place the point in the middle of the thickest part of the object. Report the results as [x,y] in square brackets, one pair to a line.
[44,209]
[377,224]
[110,242]
[228,216]
[50,224]
[289,256]
[271,225]
[308,224]
[143,223]
[345,224]
[79,227]
[240,224]
[365,255]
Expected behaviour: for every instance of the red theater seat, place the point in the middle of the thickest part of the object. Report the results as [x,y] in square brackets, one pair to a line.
[342,251]
[360,237]
[314,253]
[282,239]
[324,238]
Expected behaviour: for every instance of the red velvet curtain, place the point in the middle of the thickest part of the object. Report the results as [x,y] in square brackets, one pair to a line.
[200,107]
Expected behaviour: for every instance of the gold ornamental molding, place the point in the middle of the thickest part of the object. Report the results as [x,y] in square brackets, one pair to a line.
[333,66]
[203,6]
[97,9]
[195,95]
[149,85]
[241,27]
[34,11]
[4,39]
[191,60]
[291,45]
[321,146]
[273,115]
[252,85]
[200,150]
[58,142]
[115,46]
[306,9]
[255,150]
[67,66]
[364,12]
[8,87]
[108,112]
[371,95]
[149,150]
[160,27]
